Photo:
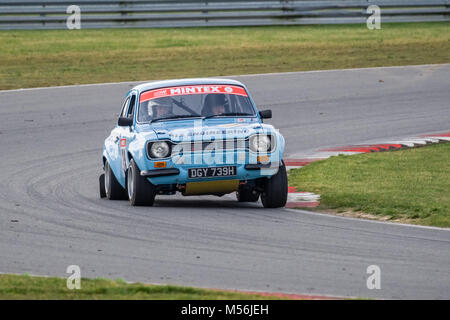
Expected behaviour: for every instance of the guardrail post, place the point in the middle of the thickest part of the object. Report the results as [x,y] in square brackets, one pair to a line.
[447,6]
[206,12]
[123,5]
[284,6]
[43,15]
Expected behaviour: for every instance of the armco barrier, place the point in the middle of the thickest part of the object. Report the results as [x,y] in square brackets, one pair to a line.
[32,14]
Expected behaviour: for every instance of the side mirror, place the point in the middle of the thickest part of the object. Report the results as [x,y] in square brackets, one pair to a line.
[125,122]
[265,114]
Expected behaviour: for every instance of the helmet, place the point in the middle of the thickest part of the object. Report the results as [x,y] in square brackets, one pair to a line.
[213,100]
[160,106]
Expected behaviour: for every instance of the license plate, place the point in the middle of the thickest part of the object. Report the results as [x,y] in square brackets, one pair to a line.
[212,172]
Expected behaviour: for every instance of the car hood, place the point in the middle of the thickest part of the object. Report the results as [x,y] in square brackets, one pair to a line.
[198,129]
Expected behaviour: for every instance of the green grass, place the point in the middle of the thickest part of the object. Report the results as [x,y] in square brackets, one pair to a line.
[28,287]
[60,57]
[411,185]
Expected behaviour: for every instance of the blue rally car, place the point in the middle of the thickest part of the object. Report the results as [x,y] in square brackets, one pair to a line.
[197,137]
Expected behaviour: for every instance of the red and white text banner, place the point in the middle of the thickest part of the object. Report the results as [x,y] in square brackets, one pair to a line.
[184,90]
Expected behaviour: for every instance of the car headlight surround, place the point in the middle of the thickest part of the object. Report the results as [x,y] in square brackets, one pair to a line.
[261,143]
[159,149]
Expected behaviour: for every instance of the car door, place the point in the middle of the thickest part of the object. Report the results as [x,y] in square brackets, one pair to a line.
[127,134]
[113,145]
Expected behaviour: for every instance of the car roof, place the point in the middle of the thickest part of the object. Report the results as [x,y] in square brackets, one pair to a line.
[185,82]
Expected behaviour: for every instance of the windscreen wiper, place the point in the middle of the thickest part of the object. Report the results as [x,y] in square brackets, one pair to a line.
[229,114]
[178,117]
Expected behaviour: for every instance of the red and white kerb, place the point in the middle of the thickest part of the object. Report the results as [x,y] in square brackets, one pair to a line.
[185,90]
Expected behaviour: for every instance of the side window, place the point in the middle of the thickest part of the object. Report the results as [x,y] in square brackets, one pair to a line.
[124,112]
[131,108]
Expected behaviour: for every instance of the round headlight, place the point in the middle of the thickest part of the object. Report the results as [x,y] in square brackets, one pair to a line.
[159,149]
[260,143]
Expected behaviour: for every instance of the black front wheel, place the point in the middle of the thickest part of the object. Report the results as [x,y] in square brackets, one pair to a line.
[276,189]
[140,191]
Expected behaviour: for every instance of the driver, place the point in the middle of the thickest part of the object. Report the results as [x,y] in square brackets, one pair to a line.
[161,108]
[214,105]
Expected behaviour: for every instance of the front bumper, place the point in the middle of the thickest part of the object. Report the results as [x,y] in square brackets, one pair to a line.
[180,175]
[175,171]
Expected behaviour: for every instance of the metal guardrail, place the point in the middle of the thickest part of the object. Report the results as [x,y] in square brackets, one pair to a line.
[33,14]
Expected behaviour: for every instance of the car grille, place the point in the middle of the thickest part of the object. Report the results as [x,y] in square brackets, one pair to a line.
[227,144]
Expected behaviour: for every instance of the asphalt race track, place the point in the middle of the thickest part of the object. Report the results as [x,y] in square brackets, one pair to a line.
[51,215]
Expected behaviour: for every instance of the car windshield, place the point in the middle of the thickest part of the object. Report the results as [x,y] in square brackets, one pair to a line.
[205,101]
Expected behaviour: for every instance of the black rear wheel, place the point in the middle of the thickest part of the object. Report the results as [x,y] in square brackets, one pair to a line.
[101,182]
[276,189]
[113,189]
[140,191]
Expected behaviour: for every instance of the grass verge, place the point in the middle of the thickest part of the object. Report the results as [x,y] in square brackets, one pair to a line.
[411,185]
[37,58]
[31,287]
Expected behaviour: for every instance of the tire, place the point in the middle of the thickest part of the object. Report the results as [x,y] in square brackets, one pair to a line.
[140,191]
[276,189]
[113,189]
[101,181]
[247,195]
